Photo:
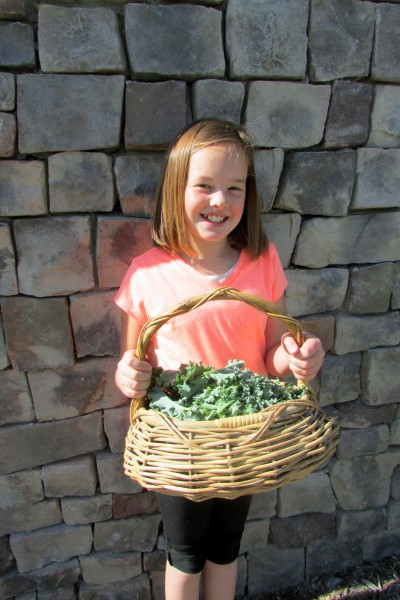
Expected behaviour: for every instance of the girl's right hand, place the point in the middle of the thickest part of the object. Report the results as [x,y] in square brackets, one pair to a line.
[133,376]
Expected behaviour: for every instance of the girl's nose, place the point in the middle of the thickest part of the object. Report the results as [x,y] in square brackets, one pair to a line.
[218,198]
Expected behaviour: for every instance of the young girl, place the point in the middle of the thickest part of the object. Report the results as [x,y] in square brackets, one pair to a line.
[207,233]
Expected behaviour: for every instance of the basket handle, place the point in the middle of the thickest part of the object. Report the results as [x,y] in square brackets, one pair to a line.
[222,293]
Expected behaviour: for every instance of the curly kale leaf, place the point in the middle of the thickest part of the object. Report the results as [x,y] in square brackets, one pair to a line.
[198,392]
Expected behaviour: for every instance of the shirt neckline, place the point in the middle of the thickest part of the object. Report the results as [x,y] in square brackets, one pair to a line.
[232,273]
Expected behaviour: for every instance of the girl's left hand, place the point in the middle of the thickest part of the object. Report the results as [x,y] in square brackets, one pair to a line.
[304,361]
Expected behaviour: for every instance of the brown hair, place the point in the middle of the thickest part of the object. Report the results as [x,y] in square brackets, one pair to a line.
[169,228]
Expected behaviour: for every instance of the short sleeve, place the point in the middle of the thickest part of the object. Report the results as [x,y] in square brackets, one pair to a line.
[278,280]
[131,294]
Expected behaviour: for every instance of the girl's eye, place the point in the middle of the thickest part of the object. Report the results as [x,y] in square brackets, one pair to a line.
[203,186]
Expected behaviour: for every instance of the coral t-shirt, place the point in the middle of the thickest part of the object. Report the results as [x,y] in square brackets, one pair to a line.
[215,332]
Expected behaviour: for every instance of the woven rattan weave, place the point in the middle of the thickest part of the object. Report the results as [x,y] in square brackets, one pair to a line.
[229,457]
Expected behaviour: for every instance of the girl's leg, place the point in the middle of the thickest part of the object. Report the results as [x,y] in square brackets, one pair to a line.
[180,585]
[219,581]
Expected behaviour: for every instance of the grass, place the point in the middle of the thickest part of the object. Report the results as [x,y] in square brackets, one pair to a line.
[379,580]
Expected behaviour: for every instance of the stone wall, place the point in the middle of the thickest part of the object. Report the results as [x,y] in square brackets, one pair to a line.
[91,91]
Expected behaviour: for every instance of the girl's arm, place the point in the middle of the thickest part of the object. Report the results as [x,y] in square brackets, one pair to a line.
[132,375]
[284,356]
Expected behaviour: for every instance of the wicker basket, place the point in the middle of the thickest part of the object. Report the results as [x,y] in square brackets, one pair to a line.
[228,457]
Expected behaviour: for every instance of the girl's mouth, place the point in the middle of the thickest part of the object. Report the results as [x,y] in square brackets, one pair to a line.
[214,218]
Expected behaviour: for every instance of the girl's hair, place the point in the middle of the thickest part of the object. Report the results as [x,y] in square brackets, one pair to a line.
[169,229]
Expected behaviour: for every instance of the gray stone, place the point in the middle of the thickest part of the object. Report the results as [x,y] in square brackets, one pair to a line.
[50,577]
[395,486]
[127,505]
[354,333]
[8,275]
[380,376]
[20,489]
[370,289]
[137,176]
[137,588]
[395,433]
[81,511]
[95,322]
[8,135]
[17,47]
[363,482]
[44,443]
[267,40]
[112,478]
[285,568]
[263,505]
[361,442]
[73,477]
[15,399]
[116,422]
[154,561]
[38,332]
[310,494]
[348,116]
[54,255]
[13,9]
[127,535]
[69,112]
[353,524]
[7,91]
[377,546]
[83,388]
[393,514]
[6,557]
[22,188]
[301,530]
[282,230]
[268,166]
[4,360]
[63,593]
[102,568]
[317,183]
[332,556]
[217,99]
[322,326]
[340,39]
[58,543]
[30,517]
[395,303]
[386,58]
[80,182]
[80,40]
[316,291]
[356,414]
[155,113]
[385,128]
[340,379]
[119,240]
[369,238]
[255,536]
[285,114]
[180,42]
[378,178]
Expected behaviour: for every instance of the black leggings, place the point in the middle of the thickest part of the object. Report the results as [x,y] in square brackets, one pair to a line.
[199,531]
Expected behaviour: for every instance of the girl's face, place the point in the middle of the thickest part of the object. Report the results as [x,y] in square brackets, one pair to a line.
[215,193]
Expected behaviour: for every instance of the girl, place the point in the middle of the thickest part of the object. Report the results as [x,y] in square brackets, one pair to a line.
[207,233]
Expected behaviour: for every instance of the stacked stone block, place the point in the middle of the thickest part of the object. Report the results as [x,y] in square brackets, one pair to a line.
[91,93]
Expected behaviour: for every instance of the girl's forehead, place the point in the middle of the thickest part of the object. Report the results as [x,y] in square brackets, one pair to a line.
[228,151]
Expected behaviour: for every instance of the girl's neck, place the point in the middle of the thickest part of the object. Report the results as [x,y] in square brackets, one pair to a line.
[213,261]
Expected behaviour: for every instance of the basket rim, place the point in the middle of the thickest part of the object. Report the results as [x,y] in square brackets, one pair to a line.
[307,401]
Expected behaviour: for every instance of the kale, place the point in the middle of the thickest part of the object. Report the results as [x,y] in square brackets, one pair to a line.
[202,393]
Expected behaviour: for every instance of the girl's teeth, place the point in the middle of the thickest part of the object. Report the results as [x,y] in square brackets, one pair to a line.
[215,219]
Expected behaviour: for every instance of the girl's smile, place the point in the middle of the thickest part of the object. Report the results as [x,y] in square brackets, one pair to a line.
[215,195]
